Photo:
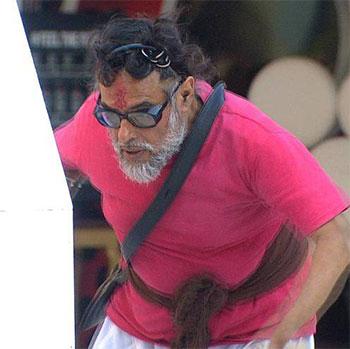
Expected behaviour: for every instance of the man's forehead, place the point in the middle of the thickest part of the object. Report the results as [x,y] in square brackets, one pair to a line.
[126,91]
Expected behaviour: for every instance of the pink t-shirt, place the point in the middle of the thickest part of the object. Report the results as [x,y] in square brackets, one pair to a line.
[250,177]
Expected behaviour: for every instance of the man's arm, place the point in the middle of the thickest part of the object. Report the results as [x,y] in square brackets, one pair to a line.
[75,180]
[331,257]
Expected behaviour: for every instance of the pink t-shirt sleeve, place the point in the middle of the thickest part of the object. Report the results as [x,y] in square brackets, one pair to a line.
[72,137]
[287,178]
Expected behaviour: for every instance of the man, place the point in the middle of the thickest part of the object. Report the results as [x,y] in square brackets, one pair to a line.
[251,183]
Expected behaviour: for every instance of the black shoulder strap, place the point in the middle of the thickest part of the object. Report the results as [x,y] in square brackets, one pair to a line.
[182,166]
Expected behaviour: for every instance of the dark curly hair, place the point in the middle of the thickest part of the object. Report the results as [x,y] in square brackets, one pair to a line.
[162,33]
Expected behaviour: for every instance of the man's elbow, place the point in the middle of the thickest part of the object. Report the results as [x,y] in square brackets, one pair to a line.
[344,231]
[334,236]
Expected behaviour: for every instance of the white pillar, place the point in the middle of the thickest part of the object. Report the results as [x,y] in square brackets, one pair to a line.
[36,243]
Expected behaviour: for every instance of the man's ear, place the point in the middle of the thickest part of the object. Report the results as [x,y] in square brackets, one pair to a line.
[186,93]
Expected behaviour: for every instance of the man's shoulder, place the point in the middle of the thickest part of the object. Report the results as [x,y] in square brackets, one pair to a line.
[87,108]
[82,119]
[81,134]
[246,120]
[237,111]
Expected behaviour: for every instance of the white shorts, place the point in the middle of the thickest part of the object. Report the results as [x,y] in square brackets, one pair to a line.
[110,336]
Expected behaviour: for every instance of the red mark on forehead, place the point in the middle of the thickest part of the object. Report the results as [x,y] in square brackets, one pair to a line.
[120,98]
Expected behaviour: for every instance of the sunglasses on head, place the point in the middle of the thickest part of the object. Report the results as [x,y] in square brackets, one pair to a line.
[142,118]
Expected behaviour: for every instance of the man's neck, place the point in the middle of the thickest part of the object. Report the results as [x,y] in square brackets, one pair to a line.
[196,107]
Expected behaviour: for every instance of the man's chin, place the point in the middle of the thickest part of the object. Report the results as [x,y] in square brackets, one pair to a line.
[141,173]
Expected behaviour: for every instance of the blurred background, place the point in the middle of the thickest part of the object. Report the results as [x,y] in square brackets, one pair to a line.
[291,58]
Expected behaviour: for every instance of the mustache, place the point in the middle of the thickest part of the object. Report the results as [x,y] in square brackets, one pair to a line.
[134,145]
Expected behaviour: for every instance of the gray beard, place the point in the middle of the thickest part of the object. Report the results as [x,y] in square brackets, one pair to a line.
[145,172]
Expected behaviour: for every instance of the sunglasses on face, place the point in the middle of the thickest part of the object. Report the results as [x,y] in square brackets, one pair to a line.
[142,118]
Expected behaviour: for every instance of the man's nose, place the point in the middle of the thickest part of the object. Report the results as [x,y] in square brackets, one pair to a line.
[126,131]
